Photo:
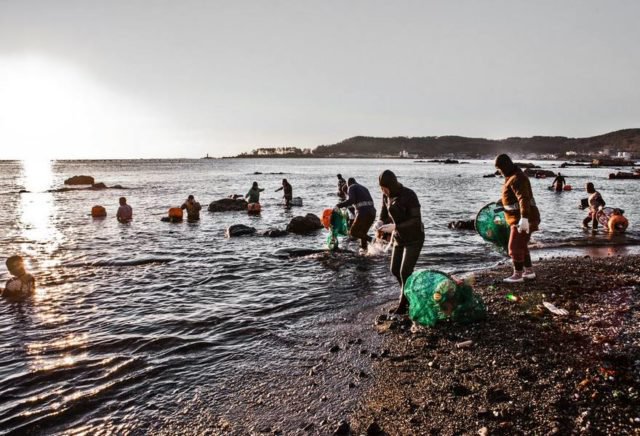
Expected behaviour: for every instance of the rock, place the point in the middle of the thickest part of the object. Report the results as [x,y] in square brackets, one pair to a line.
[275,233]
[228,205]
[80,180]
[239,230]
[462,225]
[539,173]
[334,349]
[374,429]
[459,390]
[301,225]
[98,186]
[497,395]
[343,429]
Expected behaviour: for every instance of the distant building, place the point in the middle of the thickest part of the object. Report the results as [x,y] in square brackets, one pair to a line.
[571,153]
[404,154]
[624,155]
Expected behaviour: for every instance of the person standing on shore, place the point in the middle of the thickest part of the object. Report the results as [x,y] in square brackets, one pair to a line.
[125,212]
[521,214]
[288,193]
[400,216]
[559,182]
[596,203]
[365,213]
[193,209]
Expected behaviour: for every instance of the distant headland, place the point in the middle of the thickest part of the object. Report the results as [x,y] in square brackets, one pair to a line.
[623,144]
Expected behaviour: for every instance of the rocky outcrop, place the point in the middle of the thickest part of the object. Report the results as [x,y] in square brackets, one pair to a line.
[275,233]
[539,174]
[623,175]
[95,187]
[228,205]
[462,225]
[80,180]
[239,230]
[302,225]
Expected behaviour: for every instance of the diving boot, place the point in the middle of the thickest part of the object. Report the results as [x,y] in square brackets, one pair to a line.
[515,278]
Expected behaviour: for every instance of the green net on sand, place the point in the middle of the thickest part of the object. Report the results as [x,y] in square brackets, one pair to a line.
[338,227]
[435,296]
[492,226]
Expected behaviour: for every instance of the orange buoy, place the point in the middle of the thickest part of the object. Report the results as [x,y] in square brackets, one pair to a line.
[175,214]
[567,187]
[326,218]
[618,224]
[253,208]
[98,212]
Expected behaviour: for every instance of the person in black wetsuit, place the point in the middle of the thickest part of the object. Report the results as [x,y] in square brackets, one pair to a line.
[360,199]
[342,187]
[288,193]
[400,215]
[559,182]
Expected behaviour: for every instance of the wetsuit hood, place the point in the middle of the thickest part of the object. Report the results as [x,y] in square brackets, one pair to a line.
[389,180]
[590,188]
[505,165]
[351,181]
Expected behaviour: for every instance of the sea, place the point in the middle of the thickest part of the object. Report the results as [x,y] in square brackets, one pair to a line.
[159,327]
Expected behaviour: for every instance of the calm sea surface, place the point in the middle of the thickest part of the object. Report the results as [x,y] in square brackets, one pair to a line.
[132,322]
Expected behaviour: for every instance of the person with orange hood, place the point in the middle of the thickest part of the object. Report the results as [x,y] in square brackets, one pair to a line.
[521,214]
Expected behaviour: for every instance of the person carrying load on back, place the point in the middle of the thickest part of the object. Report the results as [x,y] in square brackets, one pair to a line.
[288,193]
[254,193]
[522,215]
[192,207]
[360,199]
[559,182]
[595,203]
[342,187]
[400,216]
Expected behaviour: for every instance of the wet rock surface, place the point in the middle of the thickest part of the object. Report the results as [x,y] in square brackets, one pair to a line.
[275,233]
[239,230]
[228,205]
[303,225]
[529,371]
[462,225]
[79,180]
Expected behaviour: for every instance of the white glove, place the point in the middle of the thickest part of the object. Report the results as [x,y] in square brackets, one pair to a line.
[387,228]
[600,207]
[336,209]
[523,225]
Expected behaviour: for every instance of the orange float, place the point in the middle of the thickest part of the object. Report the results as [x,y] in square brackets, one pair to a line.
[175,214]
[326,218]
[98,212]
[253,208]
[567,187]
[618,224]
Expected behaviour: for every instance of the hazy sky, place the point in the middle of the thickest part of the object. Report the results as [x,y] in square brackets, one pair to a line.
[132,78]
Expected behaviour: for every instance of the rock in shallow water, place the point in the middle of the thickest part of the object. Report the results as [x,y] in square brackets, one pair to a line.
[228,205]
[80,180]
[303,225]
[239,230]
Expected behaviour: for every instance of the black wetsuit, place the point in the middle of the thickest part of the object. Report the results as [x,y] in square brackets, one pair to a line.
[360,199]
[559,183]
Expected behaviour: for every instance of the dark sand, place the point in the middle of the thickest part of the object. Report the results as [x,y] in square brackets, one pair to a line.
[528,371]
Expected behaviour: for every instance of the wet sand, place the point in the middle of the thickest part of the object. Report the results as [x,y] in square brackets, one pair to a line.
[528,371]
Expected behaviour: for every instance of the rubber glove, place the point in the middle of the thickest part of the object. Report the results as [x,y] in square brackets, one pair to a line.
[600,207]
[387,228]
[523,225]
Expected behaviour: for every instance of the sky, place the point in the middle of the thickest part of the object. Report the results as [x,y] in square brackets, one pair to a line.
[161,79]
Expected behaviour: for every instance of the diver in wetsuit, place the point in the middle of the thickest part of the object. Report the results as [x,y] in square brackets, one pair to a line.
[559,182]
[365,213]
[254,193]
[342,187]
[596,203]
[288,193]
[400,215]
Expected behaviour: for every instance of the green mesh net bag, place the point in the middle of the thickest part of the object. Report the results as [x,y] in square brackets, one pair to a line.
[338,227]
[435,296]
[492,226]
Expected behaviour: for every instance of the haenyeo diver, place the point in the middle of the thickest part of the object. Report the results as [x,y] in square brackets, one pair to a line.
[521,214]
[193,208]
[365,212]
[342,187]
[400,215]
[288,193]
[559,183]
[253,195]
[595,203]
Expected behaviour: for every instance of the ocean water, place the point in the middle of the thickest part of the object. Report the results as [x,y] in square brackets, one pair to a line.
[135,326]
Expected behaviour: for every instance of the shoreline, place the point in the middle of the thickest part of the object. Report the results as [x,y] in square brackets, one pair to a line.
[528,370]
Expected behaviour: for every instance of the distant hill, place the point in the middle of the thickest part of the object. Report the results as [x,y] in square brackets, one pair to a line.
[435,146]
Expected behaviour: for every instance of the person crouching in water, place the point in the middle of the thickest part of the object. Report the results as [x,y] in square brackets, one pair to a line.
[125,212]
[193,209]
[365,213]
[521,214]
[22,284]
[400,215]
[288,193]
[596,202]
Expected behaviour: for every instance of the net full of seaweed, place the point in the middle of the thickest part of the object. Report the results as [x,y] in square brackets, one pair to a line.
[491,225]
[436,296]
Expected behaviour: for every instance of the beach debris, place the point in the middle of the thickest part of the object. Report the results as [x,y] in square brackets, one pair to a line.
[239,230]
[555,310]
[302,225]
[464,344]
[514,298]
[275,233]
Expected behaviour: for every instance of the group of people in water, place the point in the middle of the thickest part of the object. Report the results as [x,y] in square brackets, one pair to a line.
[399,222]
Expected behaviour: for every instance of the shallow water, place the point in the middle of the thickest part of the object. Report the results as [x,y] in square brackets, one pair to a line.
[131,322]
